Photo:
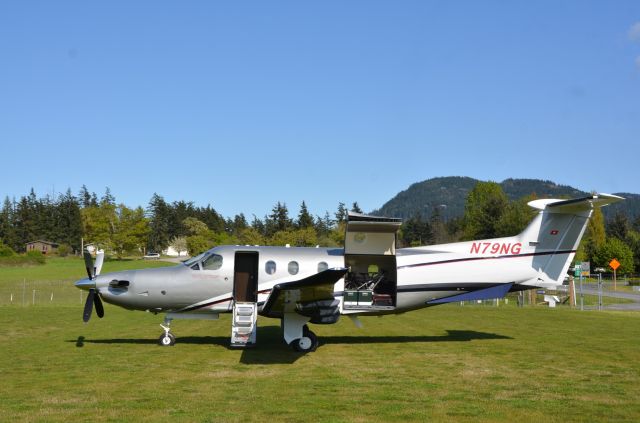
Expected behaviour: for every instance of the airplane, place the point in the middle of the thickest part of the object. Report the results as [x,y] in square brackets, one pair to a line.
[369,276]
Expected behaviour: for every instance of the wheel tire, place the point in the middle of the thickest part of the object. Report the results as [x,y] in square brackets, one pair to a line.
[167,340]
[308,343]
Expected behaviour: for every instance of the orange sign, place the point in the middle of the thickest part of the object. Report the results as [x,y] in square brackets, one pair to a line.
[614,264]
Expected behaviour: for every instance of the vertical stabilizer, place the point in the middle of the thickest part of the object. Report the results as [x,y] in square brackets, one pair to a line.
[555,233]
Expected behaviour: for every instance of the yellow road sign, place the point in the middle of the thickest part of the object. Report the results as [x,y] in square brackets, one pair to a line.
[614,264]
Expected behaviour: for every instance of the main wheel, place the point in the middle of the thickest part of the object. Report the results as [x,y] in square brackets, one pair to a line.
[308,342]
[167,340]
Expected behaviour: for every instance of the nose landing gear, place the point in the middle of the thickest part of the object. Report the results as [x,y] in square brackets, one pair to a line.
[167,339]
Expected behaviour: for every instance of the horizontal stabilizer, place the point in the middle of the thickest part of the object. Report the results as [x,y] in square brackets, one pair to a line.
[575,205]
[497,291]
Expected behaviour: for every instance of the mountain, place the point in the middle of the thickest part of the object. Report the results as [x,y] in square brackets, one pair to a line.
[449,195]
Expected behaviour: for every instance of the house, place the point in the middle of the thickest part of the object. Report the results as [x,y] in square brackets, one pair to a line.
[172,252]
[45,247]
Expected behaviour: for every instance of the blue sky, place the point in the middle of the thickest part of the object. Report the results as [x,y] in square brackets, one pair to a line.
[243,104]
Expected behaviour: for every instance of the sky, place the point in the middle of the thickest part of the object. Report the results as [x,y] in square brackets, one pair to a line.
[243,104]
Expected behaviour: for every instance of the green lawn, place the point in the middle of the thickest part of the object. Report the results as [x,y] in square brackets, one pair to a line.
[463,363]
[471,363]
[52,283]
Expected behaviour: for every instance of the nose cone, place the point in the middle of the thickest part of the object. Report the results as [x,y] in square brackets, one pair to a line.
[85,284]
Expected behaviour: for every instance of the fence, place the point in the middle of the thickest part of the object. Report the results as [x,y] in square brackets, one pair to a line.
[33,293]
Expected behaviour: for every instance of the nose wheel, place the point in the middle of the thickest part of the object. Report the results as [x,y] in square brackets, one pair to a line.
[167,339]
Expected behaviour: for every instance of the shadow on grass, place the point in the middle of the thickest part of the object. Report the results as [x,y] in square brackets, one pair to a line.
[451,336]
[272,350]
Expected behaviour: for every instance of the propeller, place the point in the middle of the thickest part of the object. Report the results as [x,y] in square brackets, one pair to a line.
[93,299]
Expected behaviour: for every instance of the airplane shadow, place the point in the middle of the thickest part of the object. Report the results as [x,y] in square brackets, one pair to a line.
[272,350]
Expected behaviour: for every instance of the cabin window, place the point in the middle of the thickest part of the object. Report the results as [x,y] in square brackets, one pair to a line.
[293,267]
[270,267]
[212,262]
[322,266]
[196,266]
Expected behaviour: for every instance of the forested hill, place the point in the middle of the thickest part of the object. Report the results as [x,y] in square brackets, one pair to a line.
[449,194]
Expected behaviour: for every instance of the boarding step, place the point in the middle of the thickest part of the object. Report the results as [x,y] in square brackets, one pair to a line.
[244,324]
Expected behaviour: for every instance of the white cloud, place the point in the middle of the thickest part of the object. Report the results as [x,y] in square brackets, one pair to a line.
[634,32]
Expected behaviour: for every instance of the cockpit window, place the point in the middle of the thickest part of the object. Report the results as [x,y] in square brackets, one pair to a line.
[194,259]
[195,266]
[212,262]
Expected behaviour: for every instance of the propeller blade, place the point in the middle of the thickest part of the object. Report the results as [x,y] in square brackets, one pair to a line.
[98,303]
[98,264]
[88,263]
[88,306]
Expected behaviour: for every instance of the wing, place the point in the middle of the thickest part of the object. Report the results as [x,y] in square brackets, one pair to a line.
[311,297]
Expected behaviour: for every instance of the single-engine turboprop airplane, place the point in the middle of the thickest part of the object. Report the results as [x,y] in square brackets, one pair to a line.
[303,286]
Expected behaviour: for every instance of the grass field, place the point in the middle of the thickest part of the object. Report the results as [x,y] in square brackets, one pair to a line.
[451,362]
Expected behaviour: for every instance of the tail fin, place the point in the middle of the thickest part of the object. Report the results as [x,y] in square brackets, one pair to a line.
[555,233]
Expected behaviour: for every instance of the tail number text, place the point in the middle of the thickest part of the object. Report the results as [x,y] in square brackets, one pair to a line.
[496,248]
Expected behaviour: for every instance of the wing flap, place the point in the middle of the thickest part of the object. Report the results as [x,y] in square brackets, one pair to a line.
[311,296]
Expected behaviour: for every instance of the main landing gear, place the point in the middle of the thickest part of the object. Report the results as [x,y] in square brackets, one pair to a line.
[297,334]
[308,342]
[167,339]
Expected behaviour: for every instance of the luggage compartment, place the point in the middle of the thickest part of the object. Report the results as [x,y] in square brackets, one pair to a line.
[370,255]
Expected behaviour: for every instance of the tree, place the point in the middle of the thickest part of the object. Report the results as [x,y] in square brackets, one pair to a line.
[619,226]
[99,225]
[304,218]
[131,230]
[107,198]
[323,225]
[7,228]
[250,236]
[594,237]
[356,208]
[614,248]
[179,243]
[416,231]
[484,208]
[159,215]
[341,214]
[515,218]
[68,221]
[278,220]
[438,227]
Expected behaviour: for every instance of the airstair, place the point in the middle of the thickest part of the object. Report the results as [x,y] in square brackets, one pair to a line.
[244,324]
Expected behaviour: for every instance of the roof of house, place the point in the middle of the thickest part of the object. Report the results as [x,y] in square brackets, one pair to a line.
[43,242]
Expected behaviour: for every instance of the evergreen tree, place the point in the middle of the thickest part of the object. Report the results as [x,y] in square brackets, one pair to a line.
[323,225]
[258,225]
[356,208]
[438,227]
[619,226]
[304,218]
[341,214]
[158,213]
[86,198]
[416,231]
[68,221]
[24,223]
[107,198]
[7,229]
[278,220]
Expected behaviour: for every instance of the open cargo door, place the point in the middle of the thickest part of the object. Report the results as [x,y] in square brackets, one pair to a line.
[370,255]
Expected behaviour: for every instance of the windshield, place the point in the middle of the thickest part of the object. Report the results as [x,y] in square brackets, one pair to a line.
[194,259]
